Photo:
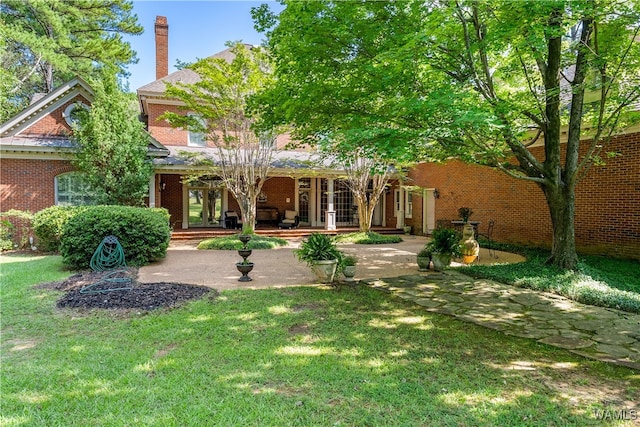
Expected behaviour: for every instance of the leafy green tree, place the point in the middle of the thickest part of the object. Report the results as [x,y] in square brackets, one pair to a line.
[47,42]
[218,107]
[113,146]
[480,80]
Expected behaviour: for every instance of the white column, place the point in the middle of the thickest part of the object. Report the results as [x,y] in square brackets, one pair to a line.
[185,206]
[400,212]
[152,191]
[429,212]
[331,212]
[314,202]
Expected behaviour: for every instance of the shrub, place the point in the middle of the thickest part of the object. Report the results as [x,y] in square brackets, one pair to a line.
[144,234]
[444,241]
[318,247]
[48,225]
[367,238]
[15,229]
[233,243]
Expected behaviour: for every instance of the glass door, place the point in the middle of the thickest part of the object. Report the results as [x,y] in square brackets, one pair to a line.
[304,197]
[205,205]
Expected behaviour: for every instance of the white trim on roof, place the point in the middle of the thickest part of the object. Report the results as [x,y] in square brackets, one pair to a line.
[45,105]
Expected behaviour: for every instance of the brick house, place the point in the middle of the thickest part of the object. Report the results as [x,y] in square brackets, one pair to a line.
[36,173]
[318,194]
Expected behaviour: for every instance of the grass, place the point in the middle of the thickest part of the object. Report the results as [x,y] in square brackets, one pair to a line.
[367,238]
[232,243]
[290,356]
[604,282]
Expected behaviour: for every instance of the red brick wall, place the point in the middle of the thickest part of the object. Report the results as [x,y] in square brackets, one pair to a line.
[171,199]
[161,130]
[53,123]
[28,185]
[607,202]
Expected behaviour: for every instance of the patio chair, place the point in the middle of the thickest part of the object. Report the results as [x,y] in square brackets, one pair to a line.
[291,220]
[489,237]
[232,220]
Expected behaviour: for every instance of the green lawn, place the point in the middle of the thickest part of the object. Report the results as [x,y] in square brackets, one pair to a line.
[291,356]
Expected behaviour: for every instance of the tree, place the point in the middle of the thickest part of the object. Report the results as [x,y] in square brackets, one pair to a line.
[47,42]
[367,173]
[480,80]
[113,146]
[218,104]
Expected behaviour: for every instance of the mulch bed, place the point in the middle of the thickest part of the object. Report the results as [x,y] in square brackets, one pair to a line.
[141,296]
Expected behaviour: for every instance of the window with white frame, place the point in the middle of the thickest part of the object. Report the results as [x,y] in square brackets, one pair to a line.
[70,113]
[399,205]
[72,189]
[197,139]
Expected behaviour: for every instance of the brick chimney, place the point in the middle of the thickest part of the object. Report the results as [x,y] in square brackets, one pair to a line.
[162,47]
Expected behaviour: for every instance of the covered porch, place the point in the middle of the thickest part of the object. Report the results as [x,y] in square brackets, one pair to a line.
[321,203]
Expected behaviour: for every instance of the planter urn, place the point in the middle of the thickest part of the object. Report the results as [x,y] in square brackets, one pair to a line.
[245,269]
[440,261]
[423,263]
[349,272]
[325,270]
[469,246]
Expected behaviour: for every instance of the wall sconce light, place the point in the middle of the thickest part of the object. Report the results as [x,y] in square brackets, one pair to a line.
[436,194]
[163,185]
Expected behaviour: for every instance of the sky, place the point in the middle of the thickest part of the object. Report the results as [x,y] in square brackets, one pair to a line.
[197,29]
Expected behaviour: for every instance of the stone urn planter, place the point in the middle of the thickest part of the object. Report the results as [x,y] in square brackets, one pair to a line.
[244,266]
[469,245]
[441,261]
[349,272]
[245,269]
[325,270]
[423,258]
[320,253]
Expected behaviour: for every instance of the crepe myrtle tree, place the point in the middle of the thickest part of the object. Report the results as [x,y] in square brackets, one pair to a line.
[367,172]
[478,80]
[217,107]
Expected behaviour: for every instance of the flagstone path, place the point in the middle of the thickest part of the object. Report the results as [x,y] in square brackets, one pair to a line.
[599,333]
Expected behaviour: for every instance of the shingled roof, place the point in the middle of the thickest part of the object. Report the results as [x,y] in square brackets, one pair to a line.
[186,76]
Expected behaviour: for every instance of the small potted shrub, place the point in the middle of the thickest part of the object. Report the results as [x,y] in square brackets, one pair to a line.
[444,245]
[349,267]
[320,253]
[424,259]
[465,214]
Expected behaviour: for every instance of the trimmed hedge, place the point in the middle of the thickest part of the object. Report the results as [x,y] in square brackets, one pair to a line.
[15,229]
[144,234]
[48,223]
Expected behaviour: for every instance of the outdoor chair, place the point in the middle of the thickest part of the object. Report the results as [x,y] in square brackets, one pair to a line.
[291,220]
[232,220]
[489,237]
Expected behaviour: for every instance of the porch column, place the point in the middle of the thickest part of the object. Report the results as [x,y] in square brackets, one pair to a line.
[400,211]
[185,206]
[330,223]
[152,191]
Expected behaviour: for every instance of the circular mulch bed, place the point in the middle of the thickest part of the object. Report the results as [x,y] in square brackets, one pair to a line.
[96,290]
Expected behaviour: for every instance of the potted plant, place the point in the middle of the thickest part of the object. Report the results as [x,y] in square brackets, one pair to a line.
[465,213]
[320,253]
[423,259]
[349,267]
[444,244]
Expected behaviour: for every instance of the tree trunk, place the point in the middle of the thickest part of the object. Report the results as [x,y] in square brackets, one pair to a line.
[561,202]
[248,212]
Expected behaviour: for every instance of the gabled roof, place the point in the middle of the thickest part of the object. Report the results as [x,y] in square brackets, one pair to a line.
[15,144]
[45,105]
[158,88]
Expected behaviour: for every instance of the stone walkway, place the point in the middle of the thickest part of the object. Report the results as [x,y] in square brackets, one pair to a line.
[599,333]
